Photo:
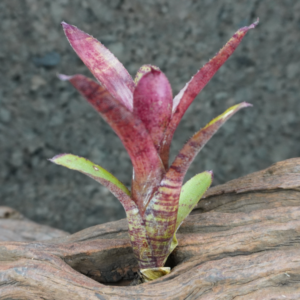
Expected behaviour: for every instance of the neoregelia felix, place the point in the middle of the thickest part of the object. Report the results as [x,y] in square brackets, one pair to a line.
[144,115]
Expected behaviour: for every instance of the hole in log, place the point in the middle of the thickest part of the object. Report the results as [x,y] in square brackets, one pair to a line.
[109,272]
[114,267]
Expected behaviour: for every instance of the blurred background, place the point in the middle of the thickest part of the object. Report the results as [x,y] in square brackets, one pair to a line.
[41,116]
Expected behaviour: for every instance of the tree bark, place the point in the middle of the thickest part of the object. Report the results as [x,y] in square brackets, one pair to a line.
[241,242]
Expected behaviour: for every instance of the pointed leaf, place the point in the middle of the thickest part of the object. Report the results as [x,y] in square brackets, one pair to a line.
[186,96]
[102,63]
[137,231]
[189,151]
[148,168]
[152,102]
[161,213]
[90,169]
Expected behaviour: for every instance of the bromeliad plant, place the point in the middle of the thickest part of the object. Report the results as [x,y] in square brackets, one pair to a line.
[144,115]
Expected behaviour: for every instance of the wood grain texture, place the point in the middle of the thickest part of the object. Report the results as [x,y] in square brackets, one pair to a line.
[241,242]
[15,227]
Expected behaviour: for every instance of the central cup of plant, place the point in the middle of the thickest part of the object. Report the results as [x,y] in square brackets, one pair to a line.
[144,115]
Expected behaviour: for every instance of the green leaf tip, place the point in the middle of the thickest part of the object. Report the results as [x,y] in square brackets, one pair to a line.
[90,169]
[228,113]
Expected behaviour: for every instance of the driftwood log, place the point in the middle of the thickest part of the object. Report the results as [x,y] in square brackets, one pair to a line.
[242,241]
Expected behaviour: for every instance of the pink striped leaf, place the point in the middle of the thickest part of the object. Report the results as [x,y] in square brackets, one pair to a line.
[161,213]
[152,101]
[186,96]
[189,151]
[137,231]
[148,168]
[102,63]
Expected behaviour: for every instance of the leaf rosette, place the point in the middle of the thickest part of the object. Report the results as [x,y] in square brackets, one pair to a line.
[144,115]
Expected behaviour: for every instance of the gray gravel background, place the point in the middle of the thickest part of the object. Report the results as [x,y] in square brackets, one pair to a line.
[41,116]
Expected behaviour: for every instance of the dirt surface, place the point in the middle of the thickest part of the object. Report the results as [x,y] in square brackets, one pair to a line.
[41,116]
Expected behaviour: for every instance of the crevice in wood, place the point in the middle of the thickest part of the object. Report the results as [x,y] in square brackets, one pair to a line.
[241,242]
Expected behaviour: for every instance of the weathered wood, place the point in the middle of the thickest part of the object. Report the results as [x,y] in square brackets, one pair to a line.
[15,227]
[242,242]
[282,175]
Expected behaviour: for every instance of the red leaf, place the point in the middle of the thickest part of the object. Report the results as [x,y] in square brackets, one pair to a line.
[152,102]
[102,63]
[189,151]
[148,168]
[161,213]
[186,96]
